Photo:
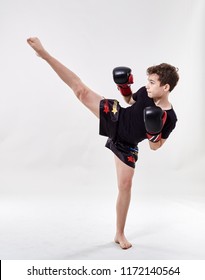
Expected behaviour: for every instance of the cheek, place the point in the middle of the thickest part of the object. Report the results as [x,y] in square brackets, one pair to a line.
[153,90]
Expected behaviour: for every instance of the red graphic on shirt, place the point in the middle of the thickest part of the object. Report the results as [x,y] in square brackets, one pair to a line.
[131,159]
[106,107]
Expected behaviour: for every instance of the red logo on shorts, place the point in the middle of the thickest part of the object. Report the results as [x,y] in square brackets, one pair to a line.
[131,159]
[106,107]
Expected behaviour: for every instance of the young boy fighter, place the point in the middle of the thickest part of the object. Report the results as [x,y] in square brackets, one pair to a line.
[149,116]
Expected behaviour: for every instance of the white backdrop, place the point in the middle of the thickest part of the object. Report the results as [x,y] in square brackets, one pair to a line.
[57,181]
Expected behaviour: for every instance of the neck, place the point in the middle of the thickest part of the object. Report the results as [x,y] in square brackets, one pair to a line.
[163,102]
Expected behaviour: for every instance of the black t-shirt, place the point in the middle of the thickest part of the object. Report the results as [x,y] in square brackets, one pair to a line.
[131,129]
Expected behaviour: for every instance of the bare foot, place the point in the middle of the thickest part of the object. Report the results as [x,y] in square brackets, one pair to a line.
[122,241]
[35,43]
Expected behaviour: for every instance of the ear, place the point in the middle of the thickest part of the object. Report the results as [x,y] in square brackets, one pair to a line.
[167,87]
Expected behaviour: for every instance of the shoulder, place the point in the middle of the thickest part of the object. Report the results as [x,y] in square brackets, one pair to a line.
[141,92]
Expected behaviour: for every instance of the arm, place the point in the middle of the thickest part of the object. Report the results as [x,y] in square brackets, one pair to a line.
[129,100]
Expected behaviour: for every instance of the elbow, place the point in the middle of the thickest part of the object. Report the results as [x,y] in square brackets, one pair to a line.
[155,146]
[80,91]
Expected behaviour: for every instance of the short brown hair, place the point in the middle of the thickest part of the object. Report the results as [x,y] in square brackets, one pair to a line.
[167,73]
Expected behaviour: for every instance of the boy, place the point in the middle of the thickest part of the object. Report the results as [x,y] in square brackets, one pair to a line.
[150,116]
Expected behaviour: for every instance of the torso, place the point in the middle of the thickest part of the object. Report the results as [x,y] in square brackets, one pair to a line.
[131,127]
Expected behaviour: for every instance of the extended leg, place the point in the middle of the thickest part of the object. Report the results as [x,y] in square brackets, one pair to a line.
[88,97]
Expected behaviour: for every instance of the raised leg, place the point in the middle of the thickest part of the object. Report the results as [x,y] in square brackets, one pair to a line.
[88,97]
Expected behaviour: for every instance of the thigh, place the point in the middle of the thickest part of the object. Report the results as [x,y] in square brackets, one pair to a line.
[125,173]
[92,101]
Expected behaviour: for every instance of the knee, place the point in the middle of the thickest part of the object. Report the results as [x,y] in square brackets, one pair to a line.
[81,92]
[125,185]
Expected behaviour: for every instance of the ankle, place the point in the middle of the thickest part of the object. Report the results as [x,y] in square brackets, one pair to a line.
[120,233]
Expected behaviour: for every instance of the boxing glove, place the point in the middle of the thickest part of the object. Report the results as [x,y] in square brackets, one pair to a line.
[123,77]
[154,119]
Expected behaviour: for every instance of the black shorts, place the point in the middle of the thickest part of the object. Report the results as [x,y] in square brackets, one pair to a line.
[109,121]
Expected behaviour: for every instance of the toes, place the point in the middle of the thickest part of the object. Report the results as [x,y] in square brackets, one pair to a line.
[125,246]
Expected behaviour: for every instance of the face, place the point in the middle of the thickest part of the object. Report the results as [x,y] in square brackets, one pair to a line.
[153,87]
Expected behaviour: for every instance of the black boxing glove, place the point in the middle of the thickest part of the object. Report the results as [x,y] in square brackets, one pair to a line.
[154,119]
[123,78]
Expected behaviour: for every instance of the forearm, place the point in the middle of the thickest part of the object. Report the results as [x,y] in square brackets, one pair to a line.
[129,100]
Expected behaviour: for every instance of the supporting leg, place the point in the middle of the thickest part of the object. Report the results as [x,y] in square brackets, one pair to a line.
[124,178]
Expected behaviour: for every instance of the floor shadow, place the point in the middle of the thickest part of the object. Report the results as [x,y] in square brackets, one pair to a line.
[94,250]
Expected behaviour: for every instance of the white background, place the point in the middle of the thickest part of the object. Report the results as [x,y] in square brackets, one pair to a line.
[57,180]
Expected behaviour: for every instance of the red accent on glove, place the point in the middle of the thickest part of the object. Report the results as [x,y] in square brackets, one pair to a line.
[157,137]
[125,88]
[154,138]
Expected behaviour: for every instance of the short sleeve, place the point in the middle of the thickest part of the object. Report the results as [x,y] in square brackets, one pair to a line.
[137,94]
[170,124]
